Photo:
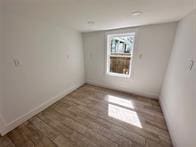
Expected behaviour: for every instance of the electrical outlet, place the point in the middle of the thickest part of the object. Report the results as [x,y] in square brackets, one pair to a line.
[191,64]
[16,62]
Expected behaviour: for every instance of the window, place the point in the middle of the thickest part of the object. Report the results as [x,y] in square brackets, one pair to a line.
[119,54]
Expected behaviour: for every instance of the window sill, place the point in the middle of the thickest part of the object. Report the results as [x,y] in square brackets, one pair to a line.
[118,75]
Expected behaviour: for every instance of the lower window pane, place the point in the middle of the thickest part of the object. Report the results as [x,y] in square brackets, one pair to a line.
[120,65]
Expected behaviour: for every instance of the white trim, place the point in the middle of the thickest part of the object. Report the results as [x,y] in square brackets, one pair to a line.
[37,110]
[108,36]
[2,123]
[118,75]
[127,56]
[144,93]
[170,129]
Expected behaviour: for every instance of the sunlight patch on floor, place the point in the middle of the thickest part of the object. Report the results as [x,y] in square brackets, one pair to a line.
[120,101]
[123,114]
[119,108]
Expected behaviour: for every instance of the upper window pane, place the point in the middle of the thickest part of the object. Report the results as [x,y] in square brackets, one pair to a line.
[122,44]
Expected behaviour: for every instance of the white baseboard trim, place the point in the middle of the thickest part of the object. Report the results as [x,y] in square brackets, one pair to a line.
[7,128]
[162,104]
[2,123]
[145,94]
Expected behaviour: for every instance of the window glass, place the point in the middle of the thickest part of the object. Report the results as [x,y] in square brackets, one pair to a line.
[119,53]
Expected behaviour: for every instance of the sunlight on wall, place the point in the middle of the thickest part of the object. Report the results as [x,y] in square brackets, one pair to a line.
[120,101]
[123,114]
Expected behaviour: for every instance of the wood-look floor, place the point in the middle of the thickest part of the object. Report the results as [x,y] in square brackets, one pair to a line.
[94,117]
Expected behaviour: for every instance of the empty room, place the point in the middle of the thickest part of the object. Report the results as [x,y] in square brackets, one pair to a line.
[97,73]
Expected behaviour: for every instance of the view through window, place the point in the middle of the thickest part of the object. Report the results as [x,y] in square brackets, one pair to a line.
[119,54]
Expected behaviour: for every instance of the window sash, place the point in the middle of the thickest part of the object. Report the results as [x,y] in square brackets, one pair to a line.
[124,55]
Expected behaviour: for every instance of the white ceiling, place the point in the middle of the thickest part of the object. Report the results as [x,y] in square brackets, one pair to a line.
[107,14]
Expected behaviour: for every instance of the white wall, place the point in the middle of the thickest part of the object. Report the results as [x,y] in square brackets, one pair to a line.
[154,42]
[51,63]
[178,96]
[1,50]
[1,65]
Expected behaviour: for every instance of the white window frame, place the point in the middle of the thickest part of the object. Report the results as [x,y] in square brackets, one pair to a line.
[108,52]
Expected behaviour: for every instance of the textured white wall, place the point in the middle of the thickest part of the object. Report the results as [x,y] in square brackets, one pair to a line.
[154,42]
[178,96]
[51,61]
[1,64]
